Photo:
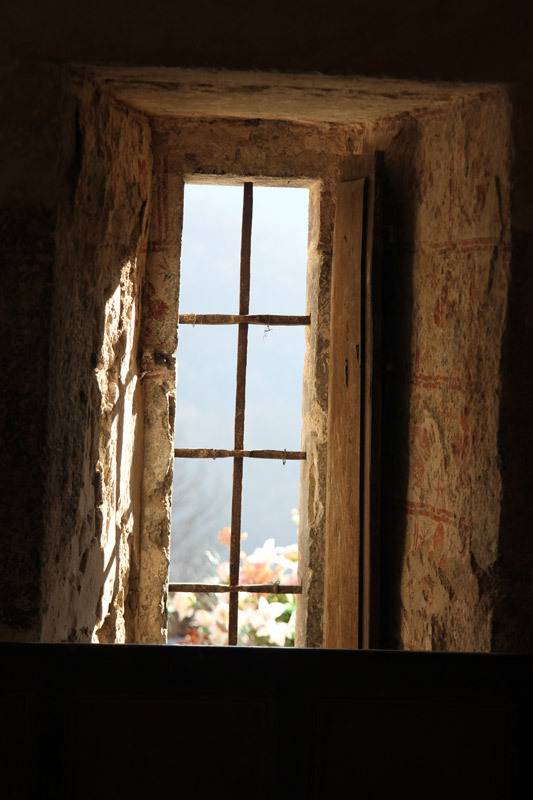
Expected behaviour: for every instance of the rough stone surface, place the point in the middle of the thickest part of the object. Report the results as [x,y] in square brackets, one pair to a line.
[446,277]
[92,503]
[158,343]
[193,93]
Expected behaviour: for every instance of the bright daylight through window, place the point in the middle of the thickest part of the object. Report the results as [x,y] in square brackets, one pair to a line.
[240,356]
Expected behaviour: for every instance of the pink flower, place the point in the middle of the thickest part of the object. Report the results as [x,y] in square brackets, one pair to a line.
[223,571]
[224,536]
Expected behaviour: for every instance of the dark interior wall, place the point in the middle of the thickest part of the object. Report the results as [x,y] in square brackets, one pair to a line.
[29,109]
[513,619]
[472,41]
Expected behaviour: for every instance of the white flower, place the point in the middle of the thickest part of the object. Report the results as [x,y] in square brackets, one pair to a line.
[271,610]
[183,603]
[203,618]
[222,615]
[263,554]
[275,631]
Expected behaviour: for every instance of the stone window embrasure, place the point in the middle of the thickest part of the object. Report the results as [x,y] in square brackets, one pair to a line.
[447,150]
[132,135]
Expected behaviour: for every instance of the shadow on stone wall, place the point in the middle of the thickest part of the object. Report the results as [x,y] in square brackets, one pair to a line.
[399,221]
[513,617]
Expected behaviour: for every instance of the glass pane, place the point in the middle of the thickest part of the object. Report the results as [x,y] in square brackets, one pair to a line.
[201,507]
[267,620]
[211,247]
[270,518]
[274,382]
[205,402]
[279,250]
[201,512]
[270,497]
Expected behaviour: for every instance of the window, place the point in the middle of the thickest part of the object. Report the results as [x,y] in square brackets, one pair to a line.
[239,454]
[334,607]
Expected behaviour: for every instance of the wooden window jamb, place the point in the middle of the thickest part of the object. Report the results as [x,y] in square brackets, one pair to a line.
[354,416]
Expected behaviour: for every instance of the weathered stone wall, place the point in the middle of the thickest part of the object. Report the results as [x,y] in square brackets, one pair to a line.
[159,338]
[95,407]
[445,285]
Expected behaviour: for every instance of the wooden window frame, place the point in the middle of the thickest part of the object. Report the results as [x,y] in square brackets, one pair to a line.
[354,411]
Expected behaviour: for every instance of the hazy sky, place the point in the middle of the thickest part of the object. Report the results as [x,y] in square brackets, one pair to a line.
[207,361]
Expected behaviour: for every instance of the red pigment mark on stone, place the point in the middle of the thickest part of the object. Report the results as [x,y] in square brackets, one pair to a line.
[436,381]
[438,539]
[477,243]
[159,309]
[418,472]
[442,562]
[426,445]
[415,535]
[449,526]
[423,536]
[426,510]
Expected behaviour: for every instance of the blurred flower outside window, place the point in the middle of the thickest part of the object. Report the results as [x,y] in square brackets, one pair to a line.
[264,620]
